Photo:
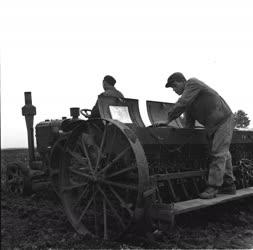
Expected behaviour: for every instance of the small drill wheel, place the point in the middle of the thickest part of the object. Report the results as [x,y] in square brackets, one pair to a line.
[18,179]
[102,178]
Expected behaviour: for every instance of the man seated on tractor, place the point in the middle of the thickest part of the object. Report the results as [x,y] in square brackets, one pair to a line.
[109,90]
[205,105]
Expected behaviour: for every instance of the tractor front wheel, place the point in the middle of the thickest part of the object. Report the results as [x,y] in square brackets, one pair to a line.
[18,179]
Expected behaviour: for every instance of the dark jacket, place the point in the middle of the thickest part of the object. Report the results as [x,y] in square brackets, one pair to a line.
[110,91]
[201,103]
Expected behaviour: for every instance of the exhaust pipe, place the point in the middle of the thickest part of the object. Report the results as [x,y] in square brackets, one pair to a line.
[29,111]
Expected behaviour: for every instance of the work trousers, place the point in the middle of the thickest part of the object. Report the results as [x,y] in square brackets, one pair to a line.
[221,163]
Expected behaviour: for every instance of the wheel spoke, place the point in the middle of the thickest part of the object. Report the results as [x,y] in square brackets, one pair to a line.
[114,160]
[122,202]
[85,209]
[121,185]
[121,172]
[101,147]
[79,167]
[112,208]
[87,155]
[78,157]
[80,173]
[81,196]
[68,188]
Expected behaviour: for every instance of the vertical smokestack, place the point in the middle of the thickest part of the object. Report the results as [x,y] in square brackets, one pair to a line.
[29,111]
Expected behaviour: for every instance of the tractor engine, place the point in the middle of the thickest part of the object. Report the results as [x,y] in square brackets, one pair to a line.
[49,132]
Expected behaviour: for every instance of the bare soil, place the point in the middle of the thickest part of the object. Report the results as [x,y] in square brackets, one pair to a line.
[39,222]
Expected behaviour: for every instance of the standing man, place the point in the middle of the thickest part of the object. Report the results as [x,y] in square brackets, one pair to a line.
[202,103]
[109,90]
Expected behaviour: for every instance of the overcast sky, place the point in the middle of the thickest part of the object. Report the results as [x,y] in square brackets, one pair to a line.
[61,50]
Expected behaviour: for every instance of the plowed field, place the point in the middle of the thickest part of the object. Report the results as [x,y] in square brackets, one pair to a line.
[39,222]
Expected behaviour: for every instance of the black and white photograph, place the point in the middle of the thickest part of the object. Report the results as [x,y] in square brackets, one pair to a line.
[126,124]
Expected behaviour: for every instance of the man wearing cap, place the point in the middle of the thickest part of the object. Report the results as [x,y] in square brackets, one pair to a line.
[109,90]
[203,104]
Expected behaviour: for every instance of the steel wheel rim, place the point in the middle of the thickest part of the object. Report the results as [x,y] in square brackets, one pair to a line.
[98,200]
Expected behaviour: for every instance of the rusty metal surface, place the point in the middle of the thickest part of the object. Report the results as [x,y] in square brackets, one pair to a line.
[124,110]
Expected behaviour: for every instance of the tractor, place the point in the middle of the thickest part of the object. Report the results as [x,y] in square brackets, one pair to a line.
[113,173]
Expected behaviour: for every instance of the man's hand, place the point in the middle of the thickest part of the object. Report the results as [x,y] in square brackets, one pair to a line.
[160,124]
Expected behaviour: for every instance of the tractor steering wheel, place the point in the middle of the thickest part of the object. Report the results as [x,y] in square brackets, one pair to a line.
[86,113]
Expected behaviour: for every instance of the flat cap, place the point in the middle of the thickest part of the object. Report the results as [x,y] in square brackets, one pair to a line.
[175,77]
[110,80]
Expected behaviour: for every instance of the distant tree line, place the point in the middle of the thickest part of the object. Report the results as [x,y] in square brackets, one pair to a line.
[241,119]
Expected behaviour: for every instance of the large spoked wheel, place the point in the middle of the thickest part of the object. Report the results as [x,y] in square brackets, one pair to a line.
[18,179]
[103,175]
